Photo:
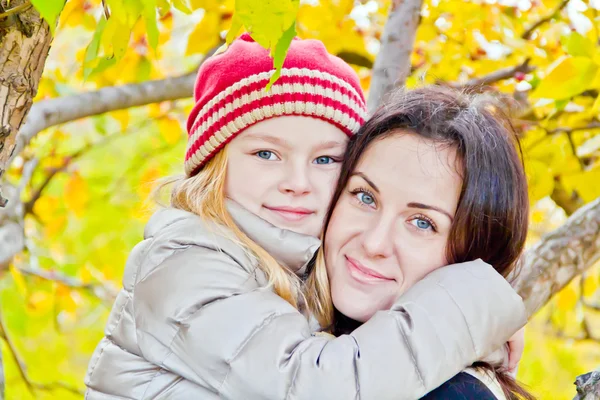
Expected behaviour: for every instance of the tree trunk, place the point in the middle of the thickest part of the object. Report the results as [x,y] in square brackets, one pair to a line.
[560,256]
[392,64]
[24,43]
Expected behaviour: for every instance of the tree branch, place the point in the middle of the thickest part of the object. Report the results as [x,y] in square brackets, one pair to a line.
[529,31]
[591,125]
[496,76]
[103,292]
[392,64]
[52,112]
[22,370]
[559,256]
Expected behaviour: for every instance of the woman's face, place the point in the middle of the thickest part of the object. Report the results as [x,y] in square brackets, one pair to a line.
[390,226]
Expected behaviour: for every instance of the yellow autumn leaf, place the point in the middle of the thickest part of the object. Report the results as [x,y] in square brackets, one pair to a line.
[76,195]
[147,182]
[19,280]
[205,35]
[170,130]
[123,117]
[567,77]
[586,184]
[540,179]
[590,285]
[40,302]
[567,298]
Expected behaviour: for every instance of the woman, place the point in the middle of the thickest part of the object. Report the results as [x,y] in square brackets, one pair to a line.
[433,178]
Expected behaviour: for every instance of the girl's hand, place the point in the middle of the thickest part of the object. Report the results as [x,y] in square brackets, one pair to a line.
[516,345]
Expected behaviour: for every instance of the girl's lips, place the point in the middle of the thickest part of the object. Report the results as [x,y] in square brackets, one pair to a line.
[291,213]
[364,274]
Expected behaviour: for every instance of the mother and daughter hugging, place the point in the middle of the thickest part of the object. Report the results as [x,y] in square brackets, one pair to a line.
[312,253]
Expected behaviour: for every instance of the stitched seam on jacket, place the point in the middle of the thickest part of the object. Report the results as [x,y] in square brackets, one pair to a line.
[464,318]
[158,371]
[412,355]
[109,333]
[355,359]
[266,321]
[300,353]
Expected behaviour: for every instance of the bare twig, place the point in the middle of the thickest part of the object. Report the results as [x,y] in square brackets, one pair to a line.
[16,10]
[106,10]
[104,292]
[591,125]
[22,369]
[496,76]
[529,31]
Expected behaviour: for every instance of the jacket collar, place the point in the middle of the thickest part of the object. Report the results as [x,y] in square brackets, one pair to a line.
[294,250]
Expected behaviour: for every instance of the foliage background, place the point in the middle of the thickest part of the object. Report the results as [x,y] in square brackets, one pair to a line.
[87,200]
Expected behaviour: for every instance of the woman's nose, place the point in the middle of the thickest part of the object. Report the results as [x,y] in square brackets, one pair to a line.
[377,241]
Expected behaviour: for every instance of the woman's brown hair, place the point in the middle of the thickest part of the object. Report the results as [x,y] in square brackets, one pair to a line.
[492,215]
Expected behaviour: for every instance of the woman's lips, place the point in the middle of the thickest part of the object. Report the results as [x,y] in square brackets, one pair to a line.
[291,213]
[364,274]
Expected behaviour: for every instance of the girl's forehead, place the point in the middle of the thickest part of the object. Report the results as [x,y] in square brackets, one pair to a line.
[297,131]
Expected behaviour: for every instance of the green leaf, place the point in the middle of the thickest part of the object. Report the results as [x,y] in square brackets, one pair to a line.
[271,23]
[578,45]
[280,52]
[183,6]
[91,52]
[267,20]
[49,10]
[236,25]
[567,77]
[149,13]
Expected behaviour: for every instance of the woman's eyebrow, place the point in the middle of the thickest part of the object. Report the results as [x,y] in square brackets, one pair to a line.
[428,207]
[370,182]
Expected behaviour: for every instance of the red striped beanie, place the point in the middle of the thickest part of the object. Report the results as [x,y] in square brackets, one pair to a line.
[230,94]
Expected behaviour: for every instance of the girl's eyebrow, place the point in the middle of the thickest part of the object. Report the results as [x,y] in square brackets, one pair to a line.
[428,207]
[331,144]
[271,139]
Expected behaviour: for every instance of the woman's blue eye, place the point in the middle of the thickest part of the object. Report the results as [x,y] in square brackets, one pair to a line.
[267,155]
[324,160]
[422,223]
[366,198]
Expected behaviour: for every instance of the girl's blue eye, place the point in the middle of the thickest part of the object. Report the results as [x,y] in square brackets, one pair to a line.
[366,198]
[266,155]
[422,223]
[324,160]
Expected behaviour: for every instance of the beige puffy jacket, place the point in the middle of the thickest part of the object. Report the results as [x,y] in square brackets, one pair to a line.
[195,321]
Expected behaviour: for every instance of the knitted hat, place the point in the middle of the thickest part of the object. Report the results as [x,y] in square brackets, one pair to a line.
[230,94]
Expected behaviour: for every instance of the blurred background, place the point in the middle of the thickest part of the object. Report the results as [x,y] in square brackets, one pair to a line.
[83,185]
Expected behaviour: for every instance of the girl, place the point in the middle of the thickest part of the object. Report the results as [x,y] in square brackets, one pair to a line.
[211,305]
[432,178]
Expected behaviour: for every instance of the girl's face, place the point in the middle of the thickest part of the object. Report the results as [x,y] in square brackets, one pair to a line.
[391,225]
[285,169]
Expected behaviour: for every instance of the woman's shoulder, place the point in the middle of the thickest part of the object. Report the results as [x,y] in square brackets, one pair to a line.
[471,384]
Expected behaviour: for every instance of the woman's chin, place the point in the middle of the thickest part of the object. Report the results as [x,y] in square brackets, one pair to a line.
[353,309]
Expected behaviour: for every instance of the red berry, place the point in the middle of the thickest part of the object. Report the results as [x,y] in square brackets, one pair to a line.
[520,76]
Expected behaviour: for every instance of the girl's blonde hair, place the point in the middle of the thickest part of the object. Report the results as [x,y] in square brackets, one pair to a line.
[204,195]
[317,293]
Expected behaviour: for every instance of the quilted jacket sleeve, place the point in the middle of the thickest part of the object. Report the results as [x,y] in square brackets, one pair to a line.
[203,316]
